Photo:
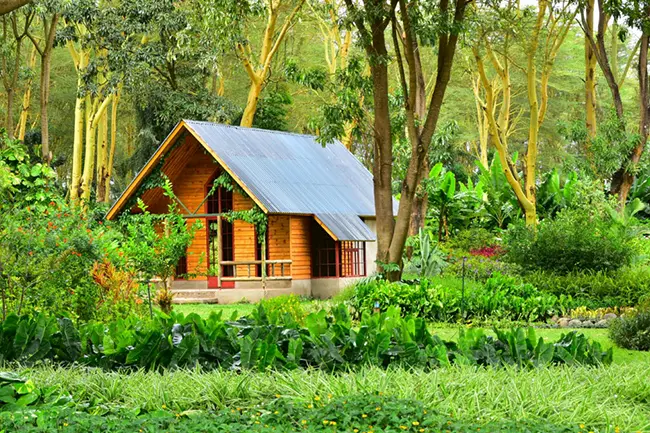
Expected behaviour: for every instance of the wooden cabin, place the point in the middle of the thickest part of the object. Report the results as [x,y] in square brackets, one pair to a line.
[317,202]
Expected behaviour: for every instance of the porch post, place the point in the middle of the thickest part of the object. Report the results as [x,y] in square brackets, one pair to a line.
[219,251]
[264,263]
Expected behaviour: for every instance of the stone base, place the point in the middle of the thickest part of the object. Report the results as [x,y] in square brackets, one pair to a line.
[186,291]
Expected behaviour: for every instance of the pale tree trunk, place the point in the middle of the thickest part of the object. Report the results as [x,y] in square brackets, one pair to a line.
[9,74]
[102,158]
[94,114]
[111,154]
[82,105]
[27,98]
[270,45]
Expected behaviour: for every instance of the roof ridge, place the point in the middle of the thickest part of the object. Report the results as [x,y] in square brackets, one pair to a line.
[254,129]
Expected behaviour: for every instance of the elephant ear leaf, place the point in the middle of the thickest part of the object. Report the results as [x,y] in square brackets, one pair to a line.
[435,171]
[70,340]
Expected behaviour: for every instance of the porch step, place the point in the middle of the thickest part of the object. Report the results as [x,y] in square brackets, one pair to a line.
[195,301]
[195,296]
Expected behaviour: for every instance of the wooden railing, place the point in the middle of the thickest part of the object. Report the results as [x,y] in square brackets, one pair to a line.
[251,272]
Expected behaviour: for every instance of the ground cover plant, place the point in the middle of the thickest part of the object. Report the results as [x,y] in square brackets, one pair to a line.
[364,412]
[500,298]
[326,342]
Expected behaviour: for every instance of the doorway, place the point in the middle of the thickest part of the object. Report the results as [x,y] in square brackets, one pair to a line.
[219,202]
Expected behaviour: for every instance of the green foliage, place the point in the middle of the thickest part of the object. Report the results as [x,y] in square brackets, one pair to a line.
[18,393]
[624,287]
[471,239]
[149,251]
[476,267]
[326,342]
[631,332]
[359,412]
[574,240]
[428,259]
[283,309]
[500,204]
[501,298]
[272,110]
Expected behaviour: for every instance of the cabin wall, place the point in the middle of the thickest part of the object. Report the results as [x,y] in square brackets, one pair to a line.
[301,247]
[279,242]
[244,235]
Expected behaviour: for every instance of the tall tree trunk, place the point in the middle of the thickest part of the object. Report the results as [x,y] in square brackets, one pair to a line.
[27,98]
[590,74]
[627,176]
[102,158]
[82,105]
[46,60]
[251,104]
[111,154]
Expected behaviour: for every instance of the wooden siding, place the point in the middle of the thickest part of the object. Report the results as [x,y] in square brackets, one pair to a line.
[279,238]
[301,247]
[244,235]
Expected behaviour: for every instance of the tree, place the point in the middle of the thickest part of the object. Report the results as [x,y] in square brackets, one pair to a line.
[228,23]
[637,14]
[14,31]
[554,20]
[417,21]
[48,13]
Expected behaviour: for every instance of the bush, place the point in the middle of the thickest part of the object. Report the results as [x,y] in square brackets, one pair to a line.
[479,268]
[573,241]
[631,332]
[501,298]
[472,239]
[621,288]
[327,342]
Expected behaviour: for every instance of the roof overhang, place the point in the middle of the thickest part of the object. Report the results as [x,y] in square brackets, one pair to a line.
[345,227]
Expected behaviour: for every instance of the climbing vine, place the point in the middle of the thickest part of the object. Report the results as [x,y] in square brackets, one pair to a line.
[254,216]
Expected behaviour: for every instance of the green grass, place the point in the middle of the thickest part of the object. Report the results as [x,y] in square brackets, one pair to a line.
[204,310]
[605,397]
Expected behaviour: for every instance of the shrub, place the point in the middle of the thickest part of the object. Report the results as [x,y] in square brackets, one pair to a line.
[326,342]
[472,239]
[501,298]
[573,241]
[621,288]
[479,268]
[631,332]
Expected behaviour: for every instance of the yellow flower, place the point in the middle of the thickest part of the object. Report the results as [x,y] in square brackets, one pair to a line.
[65,424]
[164,407]
[178,415]
[356,430]
[304,421]
[416,423]
[582,426]
[325,422]
[403,427]
[317,398]
[364,416]
[276,412]
[257,422]
[377,408]
[329,395]
[421,430]
[277,396]
[310,406]
[617,429]
[332,422]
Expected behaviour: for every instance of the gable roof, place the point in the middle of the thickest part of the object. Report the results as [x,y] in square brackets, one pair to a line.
[284,173]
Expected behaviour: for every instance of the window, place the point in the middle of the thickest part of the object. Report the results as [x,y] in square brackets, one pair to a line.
[353,259]
[336,259]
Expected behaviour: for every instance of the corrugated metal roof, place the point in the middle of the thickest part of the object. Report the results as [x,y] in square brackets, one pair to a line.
[346,227]
[294,174]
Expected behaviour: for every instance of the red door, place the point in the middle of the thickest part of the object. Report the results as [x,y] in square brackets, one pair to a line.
[219,202]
